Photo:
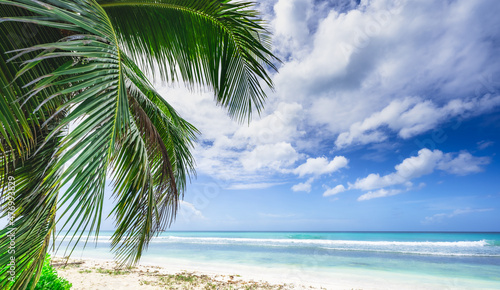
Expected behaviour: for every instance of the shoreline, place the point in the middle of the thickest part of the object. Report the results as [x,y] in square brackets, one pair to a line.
[89,273]
[92,273]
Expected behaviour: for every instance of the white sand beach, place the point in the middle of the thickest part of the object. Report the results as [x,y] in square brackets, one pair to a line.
[105,274]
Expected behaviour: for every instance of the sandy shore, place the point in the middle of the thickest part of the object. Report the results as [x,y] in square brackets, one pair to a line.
[178,274]
[105,274]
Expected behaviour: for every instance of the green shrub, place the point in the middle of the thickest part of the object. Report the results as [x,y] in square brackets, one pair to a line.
[49,279]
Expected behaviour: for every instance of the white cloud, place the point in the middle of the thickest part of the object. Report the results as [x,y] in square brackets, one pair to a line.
[410,117]
[188,212]
[425,163]
[371,59]
[357,74]
[246,153]
[378,193]
[279,126]
[244,186]
[410,168]
[362,132]
[304,186]
[484,144]
[333,191]
[320,165]
[440,216]
[273,156]
[463,164]
[290,24]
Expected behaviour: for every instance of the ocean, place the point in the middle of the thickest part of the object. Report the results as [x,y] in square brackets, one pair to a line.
[452,260]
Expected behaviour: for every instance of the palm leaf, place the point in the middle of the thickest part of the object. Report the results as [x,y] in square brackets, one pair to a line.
[214,43]
[20,136]
[82,74]
[156,152]
[35,204]
[98,100]
[18,122]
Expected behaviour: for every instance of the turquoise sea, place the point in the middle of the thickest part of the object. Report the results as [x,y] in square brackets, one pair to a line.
[445,256]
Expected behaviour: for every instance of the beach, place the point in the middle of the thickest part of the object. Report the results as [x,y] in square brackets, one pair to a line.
[102,274]
[106,274]
[296,260]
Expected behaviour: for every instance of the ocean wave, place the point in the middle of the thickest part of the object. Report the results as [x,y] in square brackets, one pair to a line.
[293,242]
[493,243]
[422,253]
[486,248]
[214,240]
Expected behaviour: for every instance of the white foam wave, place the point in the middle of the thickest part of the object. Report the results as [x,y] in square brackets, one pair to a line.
[298,242]
[438,248]
[422,252]
[292,242]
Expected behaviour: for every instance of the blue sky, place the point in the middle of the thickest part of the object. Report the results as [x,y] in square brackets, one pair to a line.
[385,116]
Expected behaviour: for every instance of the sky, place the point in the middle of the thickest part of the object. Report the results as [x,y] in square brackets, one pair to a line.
[384,117]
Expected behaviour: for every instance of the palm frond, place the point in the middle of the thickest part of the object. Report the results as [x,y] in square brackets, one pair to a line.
[77,71]
[215,43]
[35,203]
[177,134]
[151,168]
[110,131]
[21,134]
[19,124]
[97,98]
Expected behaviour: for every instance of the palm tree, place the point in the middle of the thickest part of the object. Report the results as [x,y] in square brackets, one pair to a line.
[84,63]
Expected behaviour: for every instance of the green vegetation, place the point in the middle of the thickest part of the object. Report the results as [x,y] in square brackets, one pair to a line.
[85,271]
[111,272]
[182,279]
[49,279]
[186,280]
[84,63]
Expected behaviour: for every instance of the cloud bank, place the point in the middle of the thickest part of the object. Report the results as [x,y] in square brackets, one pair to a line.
[354,74]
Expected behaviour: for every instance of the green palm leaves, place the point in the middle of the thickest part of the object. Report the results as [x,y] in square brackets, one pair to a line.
[219,44]
[79,71]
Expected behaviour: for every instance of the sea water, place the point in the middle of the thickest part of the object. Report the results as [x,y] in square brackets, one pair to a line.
[445,256]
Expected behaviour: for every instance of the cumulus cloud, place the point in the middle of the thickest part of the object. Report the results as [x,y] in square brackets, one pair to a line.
[290,23]
[236,152]
[354,72]
[463,164]
[424,163]
[304,186]
[370,59]
[188,212]
[410,168]
[280,126]
[273,156]
[261,185]
[333,191]
[379,193]
[321,165]
[439,217]
[410,117]
[317,167]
